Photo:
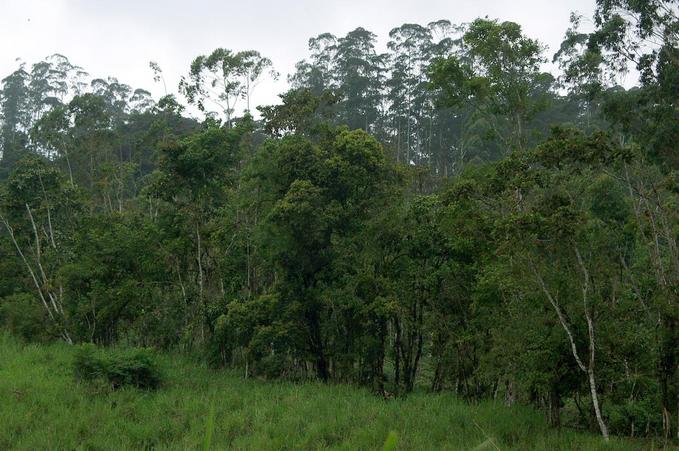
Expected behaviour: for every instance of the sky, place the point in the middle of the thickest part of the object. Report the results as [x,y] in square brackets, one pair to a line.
[119,37]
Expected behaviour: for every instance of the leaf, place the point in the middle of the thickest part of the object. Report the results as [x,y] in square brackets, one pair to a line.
[390,442]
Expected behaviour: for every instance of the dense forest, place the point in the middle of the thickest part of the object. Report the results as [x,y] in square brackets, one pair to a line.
[445,215]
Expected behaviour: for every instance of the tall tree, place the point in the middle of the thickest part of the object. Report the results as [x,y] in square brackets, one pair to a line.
[14,98]
[497,74]
[223,78]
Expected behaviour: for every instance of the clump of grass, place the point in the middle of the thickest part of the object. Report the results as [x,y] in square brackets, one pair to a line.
[390,442]
[210,428]
[120,368]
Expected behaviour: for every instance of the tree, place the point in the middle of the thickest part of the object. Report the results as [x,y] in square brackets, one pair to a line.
[323,193]
[301,112]
[40,213]
[319,74]
[410,45]
[224,77]
[15,115]
[359,72]
[350,68]
[568,237]
[193,180]
[497,74]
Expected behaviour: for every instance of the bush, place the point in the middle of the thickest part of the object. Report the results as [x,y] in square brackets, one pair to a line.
[635,417]
[24,317]
[87,364]
[120,368]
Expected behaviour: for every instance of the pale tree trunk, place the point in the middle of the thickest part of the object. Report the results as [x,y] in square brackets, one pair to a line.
[592,344]
[589,368]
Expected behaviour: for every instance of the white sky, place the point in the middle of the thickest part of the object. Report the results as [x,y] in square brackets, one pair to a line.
[119,37]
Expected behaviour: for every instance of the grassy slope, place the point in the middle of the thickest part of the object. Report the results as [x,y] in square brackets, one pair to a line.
[41,407]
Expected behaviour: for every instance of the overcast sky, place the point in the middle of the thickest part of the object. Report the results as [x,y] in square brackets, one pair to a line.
[119,37]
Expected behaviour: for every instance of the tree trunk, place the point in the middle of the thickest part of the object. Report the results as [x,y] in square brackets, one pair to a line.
[554,408]
[595,404]
[589,369]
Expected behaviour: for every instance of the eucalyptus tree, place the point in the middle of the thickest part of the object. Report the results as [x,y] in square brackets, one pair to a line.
[79,133]
[350,67]
[360,72]
[318,73]
[410,45]
[51,134]
[46,88]
[254,67]
[426,130]
[644,35]
[52,82]
[448,130]
[115,95]
[15,115]
[158,75]
[581,65]
[224,77]
[140,101]
[497,76]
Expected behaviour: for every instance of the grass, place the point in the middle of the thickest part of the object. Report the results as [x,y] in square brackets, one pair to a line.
[42,407]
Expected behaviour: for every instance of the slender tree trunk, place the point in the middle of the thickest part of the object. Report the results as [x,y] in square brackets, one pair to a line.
[397,353]
[201,282]
[587,369]
[70,170]
[595,403]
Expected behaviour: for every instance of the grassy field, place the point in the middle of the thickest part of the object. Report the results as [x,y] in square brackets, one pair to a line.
[42,407]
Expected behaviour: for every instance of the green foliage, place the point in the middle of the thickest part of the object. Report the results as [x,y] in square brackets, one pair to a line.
[498,76]
[22,315]
[120,368]
[301,111]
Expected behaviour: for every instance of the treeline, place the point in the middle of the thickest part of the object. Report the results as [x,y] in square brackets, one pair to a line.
[443,216]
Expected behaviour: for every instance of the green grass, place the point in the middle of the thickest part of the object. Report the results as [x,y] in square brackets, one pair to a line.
[42,407]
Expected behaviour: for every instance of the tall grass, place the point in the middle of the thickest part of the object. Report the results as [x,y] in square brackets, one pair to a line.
[43,407]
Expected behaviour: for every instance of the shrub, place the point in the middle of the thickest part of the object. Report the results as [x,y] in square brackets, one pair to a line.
[88,364]
[24,317]
[120,368]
